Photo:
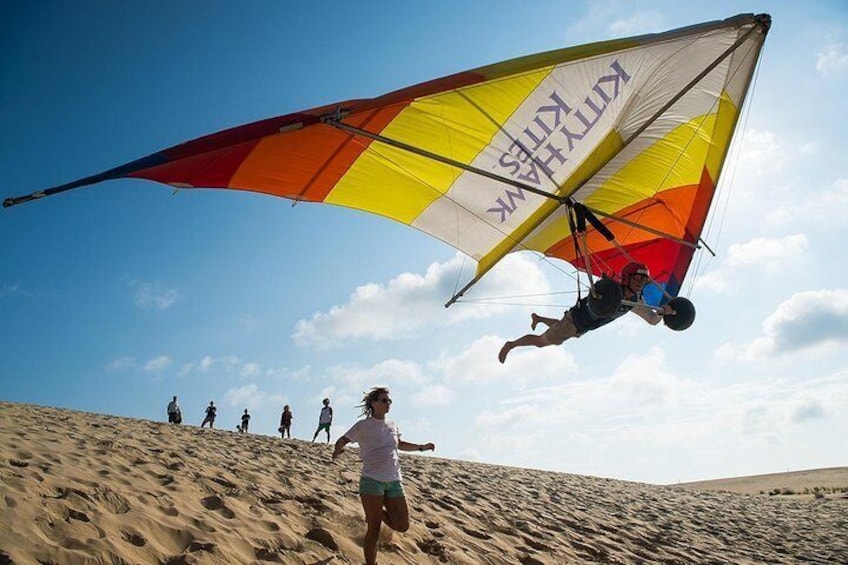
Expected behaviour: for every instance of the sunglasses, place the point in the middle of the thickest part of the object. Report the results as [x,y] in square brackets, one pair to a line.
[385,400]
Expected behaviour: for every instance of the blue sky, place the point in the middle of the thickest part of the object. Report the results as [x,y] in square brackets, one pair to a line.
[115,297]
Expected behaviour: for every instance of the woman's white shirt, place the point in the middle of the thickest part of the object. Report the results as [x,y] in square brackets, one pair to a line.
[378,442]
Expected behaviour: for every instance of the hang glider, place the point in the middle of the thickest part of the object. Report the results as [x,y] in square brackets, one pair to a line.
[494,159]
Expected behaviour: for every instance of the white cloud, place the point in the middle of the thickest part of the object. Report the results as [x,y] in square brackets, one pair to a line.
[523,416]
[247,396]
[153,295]
[478,363]
[410,302]
[762,253]
[713,282]
[833,59]
[433,395]
[770,253]
[810,319]
[249,370]
[806,410]
[121,364]
[762,153]
[643,379]
[823,208]
[158,364]
[637,24]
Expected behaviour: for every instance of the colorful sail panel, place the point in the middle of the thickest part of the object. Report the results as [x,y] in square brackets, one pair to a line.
[636,129]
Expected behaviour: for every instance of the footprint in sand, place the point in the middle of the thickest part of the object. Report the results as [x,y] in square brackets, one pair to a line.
[216,503]
[114,502]
[169,511]
[433,547]
[134,538]
[323,537]
[475,534]
[201,546]
[537,545]
[270,526]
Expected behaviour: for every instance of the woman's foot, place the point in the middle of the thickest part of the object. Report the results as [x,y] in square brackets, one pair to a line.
[535,320]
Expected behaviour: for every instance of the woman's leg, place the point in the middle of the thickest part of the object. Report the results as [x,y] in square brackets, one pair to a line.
[396,515]
[373,506]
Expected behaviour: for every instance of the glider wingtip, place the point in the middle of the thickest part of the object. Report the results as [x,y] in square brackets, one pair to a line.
[15,200]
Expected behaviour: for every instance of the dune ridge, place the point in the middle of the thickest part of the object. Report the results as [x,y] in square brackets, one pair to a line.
[89,488]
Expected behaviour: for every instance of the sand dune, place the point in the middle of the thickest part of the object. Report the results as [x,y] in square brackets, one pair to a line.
[829,483]
[88,488]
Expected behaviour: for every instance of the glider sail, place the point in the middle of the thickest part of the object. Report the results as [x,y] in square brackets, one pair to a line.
[487,160]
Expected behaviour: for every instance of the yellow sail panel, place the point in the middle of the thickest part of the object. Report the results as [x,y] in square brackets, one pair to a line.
[728,114]
[458,125]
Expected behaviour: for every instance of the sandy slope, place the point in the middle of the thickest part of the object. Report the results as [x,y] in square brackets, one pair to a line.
[831,482]
[88,488]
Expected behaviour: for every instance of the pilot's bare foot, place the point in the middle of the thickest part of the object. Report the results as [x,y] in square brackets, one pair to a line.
[535,320]
[504,351]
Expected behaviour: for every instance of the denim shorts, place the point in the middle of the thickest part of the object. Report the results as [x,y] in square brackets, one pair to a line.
[390,489]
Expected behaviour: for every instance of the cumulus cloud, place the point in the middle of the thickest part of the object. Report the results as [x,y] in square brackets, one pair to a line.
[478,363]
[808,409]
[433,395]
[644,22]
[606,18]
[762,253]
[389,371]
[832,60]
[824,208]
[247,396]
[121,364]
[810,319]
[643,379]
[158,364]
[410,302]
[770,253]
[228,364]
[153,295]
[524,416]
[763,153]
[713,282]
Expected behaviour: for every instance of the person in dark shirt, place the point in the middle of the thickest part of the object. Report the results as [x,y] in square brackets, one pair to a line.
[210,415]
[286,421]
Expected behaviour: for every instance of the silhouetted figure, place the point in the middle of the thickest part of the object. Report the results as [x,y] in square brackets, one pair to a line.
[175,415]
[210,415]
[285,422]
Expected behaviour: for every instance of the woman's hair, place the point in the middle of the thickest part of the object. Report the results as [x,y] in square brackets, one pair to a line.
[370,397]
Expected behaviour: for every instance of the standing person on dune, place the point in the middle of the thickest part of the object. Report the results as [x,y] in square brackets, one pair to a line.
[211,412]
[285,422]
[380,486]
[325,420]
[175,415]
